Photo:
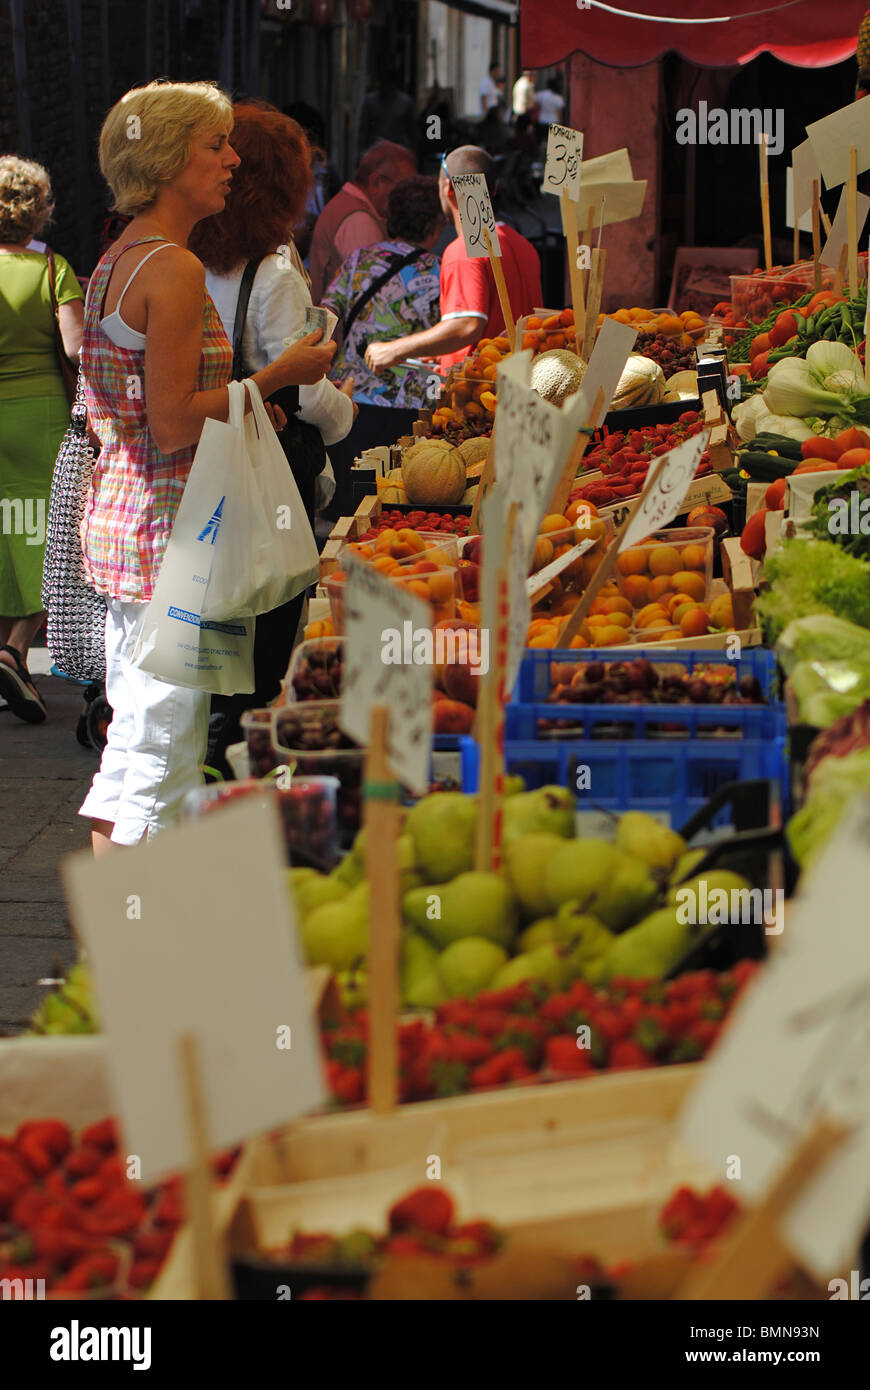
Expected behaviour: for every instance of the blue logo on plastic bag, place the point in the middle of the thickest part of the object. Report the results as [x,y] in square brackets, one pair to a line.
[212,527]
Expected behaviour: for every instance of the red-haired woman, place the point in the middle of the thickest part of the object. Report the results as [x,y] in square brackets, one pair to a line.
[267,197]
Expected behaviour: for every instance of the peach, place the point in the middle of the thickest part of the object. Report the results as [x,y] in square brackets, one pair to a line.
[636,588]
[689,582]
[695,557]
[664,559]
[658,586]
[694,623]
[632,561]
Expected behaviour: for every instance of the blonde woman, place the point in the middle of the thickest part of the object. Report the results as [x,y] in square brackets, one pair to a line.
[156,363]
[34,413]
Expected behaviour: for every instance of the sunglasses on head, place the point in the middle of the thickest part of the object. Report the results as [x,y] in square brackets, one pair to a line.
[445,169]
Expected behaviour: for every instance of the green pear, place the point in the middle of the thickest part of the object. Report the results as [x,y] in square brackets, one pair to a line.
[317,891]
[513,786]
[353,988]
[421,983]
[548,963]
[468,966]
[538,934]
[629,892]
[296,877]
[578,869]
[685,864]
[698,901]
[441,827]
[549,808]
[524,862]
[337,933]
[350,871]
[647,839]
[651,948]
[476,903]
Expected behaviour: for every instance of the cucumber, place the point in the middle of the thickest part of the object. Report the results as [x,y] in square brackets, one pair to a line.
[766,468]
[788,448]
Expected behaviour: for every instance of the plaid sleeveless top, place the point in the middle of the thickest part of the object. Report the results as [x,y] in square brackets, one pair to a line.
[135,489]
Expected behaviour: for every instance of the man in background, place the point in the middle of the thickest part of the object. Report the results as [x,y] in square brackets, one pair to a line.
[550,103]
[470,307]
[524,94]
[388,113]
[356,216]
[491,89]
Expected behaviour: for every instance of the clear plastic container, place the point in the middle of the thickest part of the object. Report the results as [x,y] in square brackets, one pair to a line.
[306,738]
[433,540]
[315,670]
[678,561]
[307,806]
[440,588]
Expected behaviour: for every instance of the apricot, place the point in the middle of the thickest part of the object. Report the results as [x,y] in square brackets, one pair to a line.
[721,611]
[578,641]
[695,623]
[440,558]
[632,561]
[554,522]
[609,637]
[543,553]
[689,582]
[442,586]
[423,567]
[653,612]
[658,586]
[418,587]
[618,604]
[664,559]
[679,612]
[617,619]
[386,564]
[386,540]
[575,510]
[695,557]
[635,588]
[412,538]
[674,600]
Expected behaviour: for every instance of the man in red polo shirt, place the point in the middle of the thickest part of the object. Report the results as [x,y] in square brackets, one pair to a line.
[470,307]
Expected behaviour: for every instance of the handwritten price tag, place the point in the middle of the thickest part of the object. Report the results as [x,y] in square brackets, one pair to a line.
[531,442]
[611,352]
[538,581]
[494,515]
[564,156]
[385,664]
[662,501]
[476,214]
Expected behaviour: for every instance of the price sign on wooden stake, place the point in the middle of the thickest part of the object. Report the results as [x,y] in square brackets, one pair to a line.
[661,502]
[475,214]
[389,662]
[564,156]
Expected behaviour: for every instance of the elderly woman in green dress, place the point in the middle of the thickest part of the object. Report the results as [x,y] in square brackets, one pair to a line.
[34,414]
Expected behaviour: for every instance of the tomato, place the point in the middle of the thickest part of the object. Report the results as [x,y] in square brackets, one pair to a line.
[853,439]
[817,448]
[854,458]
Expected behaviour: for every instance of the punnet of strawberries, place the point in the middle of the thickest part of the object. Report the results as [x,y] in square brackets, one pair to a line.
[418,520]
[624,458]
[529,1033]
[69,1214]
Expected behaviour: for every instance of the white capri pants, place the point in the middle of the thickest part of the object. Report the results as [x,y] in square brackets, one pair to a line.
[156,742]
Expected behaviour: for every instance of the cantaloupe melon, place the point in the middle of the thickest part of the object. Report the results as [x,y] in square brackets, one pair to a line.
[556,374]
[434,473]
[474,451]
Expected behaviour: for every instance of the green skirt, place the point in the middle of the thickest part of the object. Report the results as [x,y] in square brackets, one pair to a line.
[30,433]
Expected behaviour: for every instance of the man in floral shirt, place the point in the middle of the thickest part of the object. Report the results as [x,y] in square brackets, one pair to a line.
[388,291]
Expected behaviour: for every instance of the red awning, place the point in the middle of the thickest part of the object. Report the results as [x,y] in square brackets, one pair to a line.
[806,33]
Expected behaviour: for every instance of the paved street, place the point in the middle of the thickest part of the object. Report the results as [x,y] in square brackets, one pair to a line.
[43,776]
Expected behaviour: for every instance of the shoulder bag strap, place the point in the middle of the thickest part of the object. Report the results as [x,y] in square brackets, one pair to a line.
[397,263]
[245,288]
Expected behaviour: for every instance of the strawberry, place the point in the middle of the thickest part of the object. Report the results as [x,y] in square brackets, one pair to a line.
[427,1209]
[678,1213]
[88,1190]
[704,1032]
[611,1024]
[143,1272]
[625,1055]
[563,1055]
[720,1206]
[29,1207]
[465,1047]
[404,1245]
[152,1244]
[103,1134]
[93,1271]
[59,1246]
[53,1135]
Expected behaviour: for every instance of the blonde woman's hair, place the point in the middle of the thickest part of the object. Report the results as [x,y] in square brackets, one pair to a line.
[146,137]
[26,203]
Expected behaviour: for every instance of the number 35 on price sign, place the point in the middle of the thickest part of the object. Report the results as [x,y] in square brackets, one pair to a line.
[564,154]
[476,215]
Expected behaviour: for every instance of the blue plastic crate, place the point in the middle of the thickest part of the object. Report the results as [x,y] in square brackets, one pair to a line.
[644,721]
[666,779]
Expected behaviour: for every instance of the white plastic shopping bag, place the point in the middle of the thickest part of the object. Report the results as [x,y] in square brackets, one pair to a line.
[177,644]
[265,551]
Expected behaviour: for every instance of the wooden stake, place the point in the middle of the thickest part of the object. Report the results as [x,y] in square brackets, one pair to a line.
[587,241]
[748,1265]
[796,249]
[852,220]
[840,276]
[826,221]
[817,241]
[503,299]
[593,302]
[487,478]
[867,325]
[765,202]
[381,820]
[572,237]
[209,1264]
[572,623]
[489,730]
[562,492]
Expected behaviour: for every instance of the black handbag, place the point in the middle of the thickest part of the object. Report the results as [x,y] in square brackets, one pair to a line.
[302,443]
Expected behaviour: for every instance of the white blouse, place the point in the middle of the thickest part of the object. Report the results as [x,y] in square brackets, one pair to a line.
[276,309]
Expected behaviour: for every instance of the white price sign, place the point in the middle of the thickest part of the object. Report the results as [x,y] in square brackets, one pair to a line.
[538,581]
[796,1051]
[475,214]
[388,661]
[532,440]
[494,514]
[667,490]
[611,352]
[564,156]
